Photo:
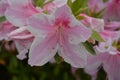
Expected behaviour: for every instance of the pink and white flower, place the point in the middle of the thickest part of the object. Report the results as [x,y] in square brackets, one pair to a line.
[58,32]
[108,56]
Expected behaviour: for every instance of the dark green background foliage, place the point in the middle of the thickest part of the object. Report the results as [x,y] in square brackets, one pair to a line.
[12,68]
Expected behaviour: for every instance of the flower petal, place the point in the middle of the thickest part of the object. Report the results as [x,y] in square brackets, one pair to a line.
[93,23]
[42,51]
[112,11]
[112,67]
[22,46]
[76,55]
[22,51]
[113,25]
[59,3]
[23,40]
[20,33]
[78,33]
[63,14]
[18,3]
[19,11]
[3,6]
[93,64]
[5,28]
[40,24]
[39,20]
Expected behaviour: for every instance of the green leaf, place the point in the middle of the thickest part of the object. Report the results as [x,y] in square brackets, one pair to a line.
[89,47]
[114,43]
[96,36]
[78,6]
[69,3]
[80,17]
[14,78]
[2,19]
[81,10]
[98,14]
[118,47]
[39,3]
[58,58]
[105,1]
[66,76]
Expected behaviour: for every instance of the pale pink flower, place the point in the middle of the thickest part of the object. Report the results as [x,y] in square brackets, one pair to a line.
[5,28]
[3,7]
[22,39]
[19,11]
[93,23]
[112,11]
[57,32]
[110,63]
[107,56]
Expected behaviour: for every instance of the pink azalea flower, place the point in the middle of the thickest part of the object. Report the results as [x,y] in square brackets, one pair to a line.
[107,56]
[3,6]
[57,32]
[112,11]
[93,23]
[22,39]
[5,28]
[19,11]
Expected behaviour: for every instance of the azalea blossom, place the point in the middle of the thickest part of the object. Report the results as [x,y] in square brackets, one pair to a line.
[22,39]
[40,33]
[108,56]
[19,11]
[57,32]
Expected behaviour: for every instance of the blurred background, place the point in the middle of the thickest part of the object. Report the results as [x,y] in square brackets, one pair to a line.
[12,68]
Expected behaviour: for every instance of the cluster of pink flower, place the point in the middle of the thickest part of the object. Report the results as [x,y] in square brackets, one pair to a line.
[54,29]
